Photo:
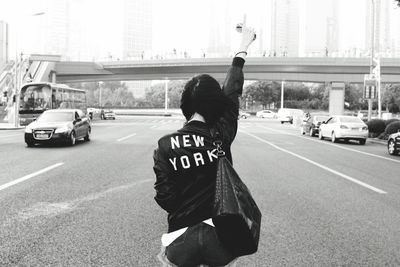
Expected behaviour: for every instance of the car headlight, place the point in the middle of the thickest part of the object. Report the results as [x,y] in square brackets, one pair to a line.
[62,129]
[28,129]
[343,127]
[365,128]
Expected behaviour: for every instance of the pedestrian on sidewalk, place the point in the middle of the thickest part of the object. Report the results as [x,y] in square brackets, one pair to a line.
[185,166]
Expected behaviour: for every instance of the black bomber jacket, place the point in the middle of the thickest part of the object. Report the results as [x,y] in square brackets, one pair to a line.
[185,161]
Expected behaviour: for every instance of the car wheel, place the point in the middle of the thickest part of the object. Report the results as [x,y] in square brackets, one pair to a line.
[392,147]
[333,137]
[311,132]
[113,118]
[282,122]
[362,141]
[320,137]
[72,139]
[87,137]
[30,144]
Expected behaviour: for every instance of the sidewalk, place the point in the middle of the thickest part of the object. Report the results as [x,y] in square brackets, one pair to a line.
[9,126]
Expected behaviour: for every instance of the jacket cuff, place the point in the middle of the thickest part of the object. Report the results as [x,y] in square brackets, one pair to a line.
[238,62]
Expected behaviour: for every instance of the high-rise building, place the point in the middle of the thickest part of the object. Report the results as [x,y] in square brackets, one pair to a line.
[382,17]
[137,37]
[219,42]
[137,25]
[285,28]
[3,43]
[321,28]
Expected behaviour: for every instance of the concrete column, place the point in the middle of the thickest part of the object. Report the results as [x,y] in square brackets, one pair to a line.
[336,98]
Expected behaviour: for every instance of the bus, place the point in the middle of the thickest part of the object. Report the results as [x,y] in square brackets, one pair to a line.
[38,97]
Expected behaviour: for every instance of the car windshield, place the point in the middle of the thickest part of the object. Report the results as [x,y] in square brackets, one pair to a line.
[108,111]
[56,117]
[350,119]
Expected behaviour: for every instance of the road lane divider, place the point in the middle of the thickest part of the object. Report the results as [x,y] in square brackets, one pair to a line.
[29,176]
[329,143]
[377,190]
[126,137]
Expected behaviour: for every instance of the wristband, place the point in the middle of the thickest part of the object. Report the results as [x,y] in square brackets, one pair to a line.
[241,53]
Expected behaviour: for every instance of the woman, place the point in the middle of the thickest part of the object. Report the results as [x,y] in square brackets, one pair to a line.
[185,165]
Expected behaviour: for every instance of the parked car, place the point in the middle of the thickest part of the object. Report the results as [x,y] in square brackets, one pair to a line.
[243,114]
[266,114]
[312,123]
[288,114]
[394,143]
[344,127]
[58,126]
[107,114]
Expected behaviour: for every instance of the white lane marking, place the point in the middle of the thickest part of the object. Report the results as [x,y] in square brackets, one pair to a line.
[154,126]
[327,143]
[318,165]
[53,209]
[29,176]
[126,137]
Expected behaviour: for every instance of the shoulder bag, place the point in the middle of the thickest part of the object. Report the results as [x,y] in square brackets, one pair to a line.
[236,217]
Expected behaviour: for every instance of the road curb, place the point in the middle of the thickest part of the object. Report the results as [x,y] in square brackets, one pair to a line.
[377,141]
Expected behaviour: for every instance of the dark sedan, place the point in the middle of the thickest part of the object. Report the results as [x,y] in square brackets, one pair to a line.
[394,143]
[58,126]
[312,123]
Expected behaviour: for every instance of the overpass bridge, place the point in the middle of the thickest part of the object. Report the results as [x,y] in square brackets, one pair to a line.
[345,70]
[334,72]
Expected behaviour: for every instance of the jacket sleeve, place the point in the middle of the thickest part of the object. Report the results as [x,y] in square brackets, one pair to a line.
[166,192]
[232,88]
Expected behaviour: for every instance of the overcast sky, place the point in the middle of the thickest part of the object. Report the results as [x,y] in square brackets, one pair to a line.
[186,23]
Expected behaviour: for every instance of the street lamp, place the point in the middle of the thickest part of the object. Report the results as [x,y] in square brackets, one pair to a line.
[18,65]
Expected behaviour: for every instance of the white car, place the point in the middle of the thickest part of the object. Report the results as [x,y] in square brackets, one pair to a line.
[289,115]
[345,128]
[266,114]
[244,114]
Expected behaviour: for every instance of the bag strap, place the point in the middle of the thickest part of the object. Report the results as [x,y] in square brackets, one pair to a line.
[217,142]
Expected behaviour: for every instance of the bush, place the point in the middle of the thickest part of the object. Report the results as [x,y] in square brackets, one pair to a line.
[376,126]
[394,127]
[387,122]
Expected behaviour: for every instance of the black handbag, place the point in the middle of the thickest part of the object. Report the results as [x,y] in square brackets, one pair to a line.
[236,217]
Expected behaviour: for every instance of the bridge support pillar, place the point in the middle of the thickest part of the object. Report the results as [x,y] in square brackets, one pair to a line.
[53,76]
[336,98]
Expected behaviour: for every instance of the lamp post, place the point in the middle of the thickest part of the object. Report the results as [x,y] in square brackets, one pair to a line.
[18,64]
[371,67]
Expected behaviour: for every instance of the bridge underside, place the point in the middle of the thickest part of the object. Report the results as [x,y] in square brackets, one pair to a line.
[273,69]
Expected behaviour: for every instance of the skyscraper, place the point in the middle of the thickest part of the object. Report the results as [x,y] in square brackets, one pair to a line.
[321,28]
[3,43]
[219,42]
[137,25]
[382,40]
[285,28]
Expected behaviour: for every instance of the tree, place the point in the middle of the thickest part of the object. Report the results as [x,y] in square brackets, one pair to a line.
[155,95]
[391,98]
[261,91]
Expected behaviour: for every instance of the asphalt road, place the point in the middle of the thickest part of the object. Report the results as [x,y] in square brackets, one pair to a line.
[323,204]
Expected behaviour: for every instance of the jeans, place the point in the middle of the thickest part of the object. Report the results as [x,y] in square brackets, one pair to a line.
[199,245]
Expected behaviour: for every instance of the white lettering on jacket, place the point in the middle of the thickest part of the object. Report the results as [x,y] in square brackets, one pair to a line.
[175,142]
[186,142]
[198,158]
[173,162]
[211,154]
[185,162]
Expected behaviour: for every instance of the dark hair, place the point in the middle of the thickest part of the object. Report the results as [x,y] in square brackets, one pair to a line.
[203,94]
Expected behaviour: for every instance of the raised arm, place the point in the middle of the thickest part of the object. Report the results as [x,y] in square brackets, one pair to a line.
[233,87]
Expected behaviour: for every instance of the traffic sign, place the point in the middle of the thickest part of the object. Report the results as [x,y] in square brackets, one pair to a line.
[370,86]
